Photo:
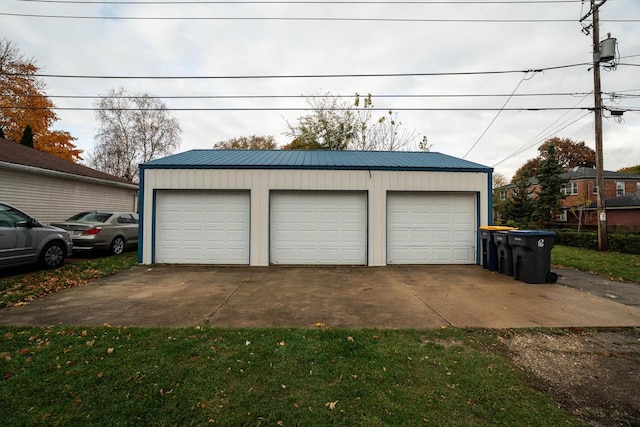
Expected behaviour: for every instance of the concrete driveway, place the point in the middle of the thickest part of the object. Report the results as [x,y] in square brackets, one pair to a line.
[382,297]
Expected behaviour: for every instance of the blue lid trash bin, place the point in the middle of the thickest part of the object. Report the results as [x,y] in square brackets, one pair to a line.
[505,252]
[531,251]
[489,248]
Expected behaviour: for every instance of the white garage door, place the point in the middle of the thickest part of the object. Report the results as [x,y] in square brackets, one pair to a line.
[201,227]
[318,227]
[431,228]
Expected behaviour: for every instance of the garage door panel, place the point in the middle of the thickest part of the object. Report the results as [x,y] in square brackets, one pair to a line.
[327,227]
[431,228]
[199,227]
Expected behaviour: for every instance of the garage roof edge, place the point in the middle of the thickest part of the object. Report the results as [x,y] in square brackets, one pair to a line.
[316,160]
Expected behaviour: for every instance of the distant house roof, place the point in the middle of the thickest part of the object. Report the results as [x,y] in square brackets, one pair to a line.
[590,173]
[629,200]
[14,153]
[582,173]
[315,159]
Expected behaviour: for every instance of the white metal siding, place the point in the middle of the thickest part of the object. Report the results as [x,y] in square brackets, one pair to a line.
[318,227]
[431,228]
[202,227]
[51,199]
[260,182]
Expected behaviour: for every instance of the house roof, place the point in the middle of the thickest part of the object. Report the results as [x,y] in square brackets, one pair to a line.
[628,200]
[590,173]
[315,159]
[579,173]
[12,152]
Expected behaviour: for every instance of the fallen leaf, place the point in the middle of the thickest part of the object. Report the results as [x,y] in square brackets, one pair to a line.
[281,343]
[319,325]
[110,350]
[350,339]
[331,405]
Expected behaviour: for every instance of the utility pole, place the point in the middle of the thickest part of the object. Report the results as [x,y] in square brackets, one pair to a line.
[597,93]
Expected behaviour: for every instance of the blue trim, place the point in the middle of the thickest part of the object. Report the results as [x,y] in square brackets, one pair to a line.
[141,216]
[326,167]
[153,226]
[490,217]
[478,243]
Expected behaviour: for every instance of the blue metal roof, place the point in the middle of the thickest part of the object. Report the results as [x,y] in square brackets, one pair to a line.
[315,159]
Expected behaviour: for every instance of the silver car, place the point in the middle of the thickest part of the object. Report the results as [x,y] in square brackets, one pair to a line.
[24,240]
[100,230]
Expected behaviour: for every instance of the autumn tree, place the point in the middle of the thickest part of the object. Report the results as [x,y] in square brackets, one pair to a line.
[23,102]
[27,137]
[132,129]
[569,154]
[252,142]
[631,169]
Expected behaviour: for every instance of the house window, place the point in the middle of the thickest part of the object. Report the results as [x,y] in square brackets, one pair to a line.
[569,188]
[620,188]
[595,187]
[563,216]
[638,187]
[503,194]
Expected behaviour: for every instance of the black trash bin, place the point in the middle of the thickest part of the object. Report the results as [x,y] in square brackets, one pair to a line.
[532,255]
[489,248]
[505,252]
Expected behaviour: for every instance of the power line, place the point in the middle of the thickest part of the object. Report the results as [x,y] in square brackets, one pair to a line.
[539,138]
[295,76]
[319,19]
[519,109]
[377,96]
[152,2]
[495,118]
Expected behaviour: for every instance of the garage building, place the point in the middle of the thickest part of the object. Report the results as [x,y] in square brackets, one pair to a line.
[261,207]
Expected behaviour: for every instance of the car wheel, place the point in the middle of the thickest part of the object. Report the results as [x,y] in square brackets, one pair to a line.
[117,246]
[53,255]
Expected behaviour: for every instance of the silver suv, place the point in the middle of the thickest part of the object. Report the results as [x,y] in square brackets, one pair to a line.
[24,240]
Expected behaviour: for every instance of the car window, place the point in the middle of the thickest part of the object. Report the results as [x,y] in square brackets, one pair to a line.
[125,219]
[90,217]
[10,217]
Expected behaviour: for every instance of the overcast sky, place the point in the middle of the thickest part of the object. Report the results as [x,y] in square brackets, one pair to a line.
[417,39]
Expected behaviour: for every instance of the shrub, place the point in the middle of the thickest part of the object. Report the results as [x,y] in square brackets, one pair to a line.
[626,243]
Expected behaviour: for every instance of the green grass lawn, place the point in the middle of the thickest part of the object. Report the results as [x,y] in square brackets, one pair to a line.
[613,265]
[263,377]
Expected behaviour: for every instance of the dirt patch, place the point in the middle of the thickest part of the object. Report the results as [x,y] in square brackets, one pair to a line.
[595,375]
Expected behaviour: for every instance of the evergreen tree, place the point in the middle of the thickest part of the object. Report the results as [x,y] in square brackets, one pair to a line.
[550,188]
[518,209]
[27,137]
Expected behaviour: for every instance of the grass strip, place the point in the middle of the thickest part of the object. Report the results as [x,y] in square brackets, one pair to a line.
[17,289]
[249,377]
[613,265]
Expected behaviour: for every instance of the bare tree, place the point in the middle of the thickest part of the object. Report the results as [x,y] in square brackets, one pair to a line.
[337,125]
[132,129]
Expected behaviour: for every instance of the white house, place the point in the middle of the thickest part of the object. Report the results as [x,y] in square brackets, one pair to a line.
[53,189]
[258,207]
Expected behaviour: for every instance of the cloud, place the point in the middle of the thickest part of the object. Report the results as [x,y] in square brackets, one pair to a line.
[278,47]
